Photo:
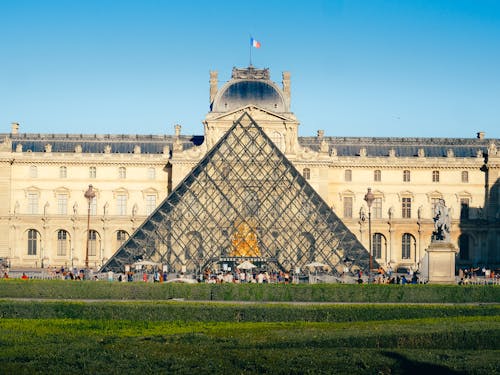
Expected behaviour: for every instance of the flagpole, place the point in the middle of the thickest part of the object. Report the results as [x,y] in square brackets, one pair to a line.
[250,50]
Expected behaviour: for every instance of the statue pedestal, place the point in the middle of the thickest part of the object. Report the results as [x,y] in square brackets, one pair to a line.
[441,262]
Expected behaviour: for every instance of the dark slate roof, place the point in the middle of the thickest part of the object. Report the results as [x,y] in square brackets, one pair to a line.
[95,143]
[404,147]
[346,146]
[242,92]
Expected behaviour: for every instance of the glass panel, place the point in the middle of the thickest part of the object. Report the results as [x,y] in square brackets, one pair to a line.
[244,200]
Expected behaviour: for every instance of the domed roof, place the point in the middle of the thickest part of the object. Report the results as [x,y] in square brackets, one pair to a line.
[249,86]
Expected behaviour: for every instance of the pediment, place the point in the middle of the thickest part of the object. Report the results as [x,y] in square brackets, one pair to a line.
[255,111]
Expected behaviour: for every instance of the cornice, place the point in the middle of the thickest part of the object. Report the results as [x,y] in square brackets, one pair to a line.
[90,161]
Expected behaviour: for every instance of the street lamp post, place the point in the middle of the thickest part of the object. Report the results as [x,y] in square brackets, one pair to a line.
[90,195]
[369,198]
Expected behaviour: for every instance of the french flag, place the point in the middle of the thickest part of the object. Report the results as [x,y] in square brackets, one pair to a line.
[254,43]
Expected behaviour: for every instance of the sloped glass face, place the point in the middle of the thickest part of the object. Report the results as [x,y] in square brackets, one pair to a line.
[243,201]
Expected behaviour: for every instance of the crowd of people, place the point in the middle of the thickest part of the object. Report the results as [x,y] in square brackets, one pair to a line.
[472,275]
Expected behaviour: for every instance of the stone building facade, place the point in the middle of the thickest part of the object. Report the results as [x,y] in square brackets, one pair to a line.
[46,220]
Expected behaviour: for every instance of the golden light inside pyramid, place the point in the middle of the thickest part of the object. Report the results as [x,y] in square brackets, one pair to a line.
[244,240]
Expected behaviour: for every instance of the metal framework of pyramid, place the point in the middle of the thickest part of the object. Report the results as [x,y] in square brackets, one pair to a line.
[243,201]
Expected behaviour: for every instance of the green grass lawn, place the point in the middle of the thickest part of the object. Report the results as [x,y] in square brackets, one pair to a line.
[246,339]
[79,327]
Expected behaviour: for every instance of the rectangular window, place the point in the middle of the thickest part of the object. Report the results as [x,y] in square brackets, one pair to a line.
[62,204]
[464,208]
[151,173]
[150,203]
[348,175]
[348,207]
[63,172]
[33,171]
[435,176]
[377,208]
[32,203]
[406,176]
[465,177]
[121,205]
[306,173]
[377,175]
[406,208]
[92,172]
[93,206]
[122,173]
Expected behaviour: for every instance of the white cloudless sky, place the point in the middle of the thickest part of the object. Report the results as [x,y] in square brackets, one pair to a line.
[401,68]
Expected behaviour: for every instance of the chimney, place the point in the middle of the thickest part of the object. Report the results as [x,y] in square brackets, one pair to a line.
[286,89]
[480,135]
[15,128]
[213,85]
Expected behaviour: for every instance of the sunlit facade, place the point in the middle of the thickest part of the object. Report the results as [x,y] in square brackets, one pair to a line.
[43,178]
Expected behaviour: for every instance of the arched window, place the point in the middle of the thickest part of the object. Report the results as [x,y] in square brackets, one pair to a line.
[464,246]
[406,176]
[306,173]
[121,236]
[378,243]
[92,243]
[62,243]
[63,172]
[348,175]
[308,244]
[377,175]
[122,173]
[279,140]
[407,243]
[194,248]
[465,177]
[33,241]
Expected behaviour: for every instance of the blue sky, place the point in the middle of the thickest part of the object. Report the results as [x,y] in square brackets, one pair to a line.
[414,68]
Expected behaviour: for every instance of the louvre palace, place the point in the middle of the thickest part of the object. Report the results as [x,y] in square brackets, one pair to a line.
[248,187]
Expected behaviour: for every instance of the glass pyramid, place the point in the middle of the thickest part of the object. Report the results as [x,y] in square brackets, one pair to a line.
[243,201]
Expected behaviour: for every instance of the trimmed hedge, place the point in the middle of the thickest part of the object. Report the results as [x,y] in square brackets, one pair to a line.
[228,312]
[61,289]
